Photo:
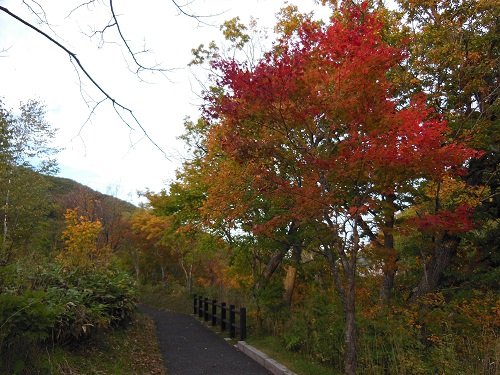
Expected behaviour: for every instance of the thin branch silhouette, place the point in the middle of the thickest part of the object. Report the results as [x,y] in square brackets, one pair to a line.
[116,104]
[140,66]
[87,4]
[180,9]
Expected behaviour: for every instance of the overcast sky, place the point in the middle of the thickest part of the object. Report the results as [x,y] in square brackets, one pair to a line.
[104,154]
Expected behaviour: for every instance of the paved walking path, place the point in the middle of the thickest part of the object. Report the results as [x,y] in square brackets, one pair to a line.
[189,348]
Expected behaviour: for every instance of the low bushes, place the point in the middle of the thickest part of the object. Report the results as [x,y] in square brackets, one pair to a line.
[64,307]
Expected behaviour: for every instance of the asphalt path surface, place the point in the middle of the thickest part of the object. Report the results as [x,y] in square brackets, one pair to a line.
[190,348]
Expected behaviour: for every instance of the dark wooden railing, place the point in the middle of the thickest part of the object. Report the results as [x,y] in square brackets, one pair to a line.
[222,315]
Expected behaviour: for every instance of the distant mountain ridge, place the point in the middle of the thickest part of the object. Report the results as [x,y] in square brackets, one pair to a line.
[61,187]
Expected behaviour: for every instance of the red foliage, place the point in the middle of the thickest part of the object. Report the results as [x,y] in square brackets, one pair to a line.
[454,221]
[318,120]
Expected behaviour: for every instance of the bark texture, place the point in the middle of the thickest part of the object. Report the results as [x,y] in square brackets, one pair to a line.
[445,249]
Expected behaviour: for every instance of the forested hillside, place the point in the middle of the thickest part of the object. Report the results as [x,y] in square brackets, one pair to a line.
[54,196]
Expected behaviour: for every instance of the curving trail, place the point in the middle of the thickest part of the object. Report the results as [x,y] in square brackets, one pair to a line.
[189,348]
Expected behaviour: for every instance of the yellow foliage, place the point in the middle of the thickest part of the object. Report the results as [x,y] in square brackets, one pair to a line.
[454,192]
[81,247]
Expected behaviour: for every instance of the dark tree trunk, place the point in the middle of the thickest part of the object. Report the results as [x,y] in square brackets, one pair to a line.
[444,251]
[350,327]
[162,268]
[390,266]
[387,285]
[274,262]
[347,292]
[391,256]
[277,258]
[137,271]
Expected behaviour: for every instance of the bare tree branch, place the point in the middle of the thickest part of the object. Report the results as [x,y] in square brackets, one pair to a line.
[80,6]
[101,32]
[198,18]
[3,51]
[116,104]
[133,54]
[42,16]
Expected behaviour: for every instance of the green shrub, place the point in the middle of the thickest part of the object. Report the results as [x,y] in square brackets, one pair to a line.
[90,301]
[67,306]
[25,318]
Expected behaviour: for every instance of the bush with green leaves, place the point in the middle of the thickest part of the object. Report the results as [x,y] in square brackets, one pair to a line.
[25,318]
[65,306]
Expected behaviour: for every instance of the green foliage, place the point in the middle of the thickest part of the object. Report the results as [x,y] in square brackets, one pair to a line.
[315,328]
[235,32]
[272,311]
[128,351]
[25,318]
[201,54]
[64,306]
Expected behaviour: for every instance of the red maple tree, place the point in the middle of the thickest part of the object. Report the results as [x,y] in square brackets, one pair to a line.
[317,126]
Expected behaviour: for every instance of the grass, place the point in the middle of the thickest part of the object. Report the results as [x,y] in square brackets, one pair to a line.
[130,351]
[296,362]
[162,297]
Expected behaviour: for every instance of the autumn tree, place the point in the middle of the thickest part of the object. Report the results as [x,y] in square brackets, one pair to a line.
[149,230]
[454,59]
[104,208]
[238,219]
[193,244]
[316,128]
[81,248]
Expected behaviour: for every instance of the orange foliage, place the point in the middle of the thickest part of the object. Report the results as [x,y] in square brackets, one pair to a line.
[81,248]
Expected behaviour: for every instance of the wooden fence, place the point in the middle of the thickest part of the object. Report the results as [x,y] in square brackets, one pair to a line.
[222,315]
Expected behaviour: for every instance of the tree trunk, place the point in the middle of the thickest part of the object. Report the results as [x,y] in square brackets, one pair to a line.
[137,271]
[390,269]
[347,294]
[190,279]
[272,265]
[346,289]
[186,273]
[350,329]
[162,272]
[289,284]
[291,275]
[391,256]
[444,251]
[5,221]
[274,262]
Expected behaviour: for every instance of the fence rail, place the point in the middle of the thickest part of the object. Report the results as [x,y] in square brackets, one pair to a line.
[222,315]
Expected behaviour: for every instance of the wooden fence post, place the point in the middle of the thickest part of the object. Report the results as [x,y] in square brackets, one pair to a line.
[214,312]
[205,309]
[223,316]
[232,322]
[243,323]
[200,306]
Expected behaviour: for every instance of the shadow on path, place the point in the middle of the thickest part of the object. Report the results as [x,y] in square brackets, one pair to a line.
[189,348]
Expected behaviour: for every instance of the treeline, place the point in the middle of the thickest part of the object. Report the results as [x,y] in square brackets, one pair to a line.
[345,185]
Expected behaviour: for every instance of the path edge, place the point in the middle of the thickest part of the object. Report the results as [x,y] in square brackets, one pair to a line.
[263,359]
